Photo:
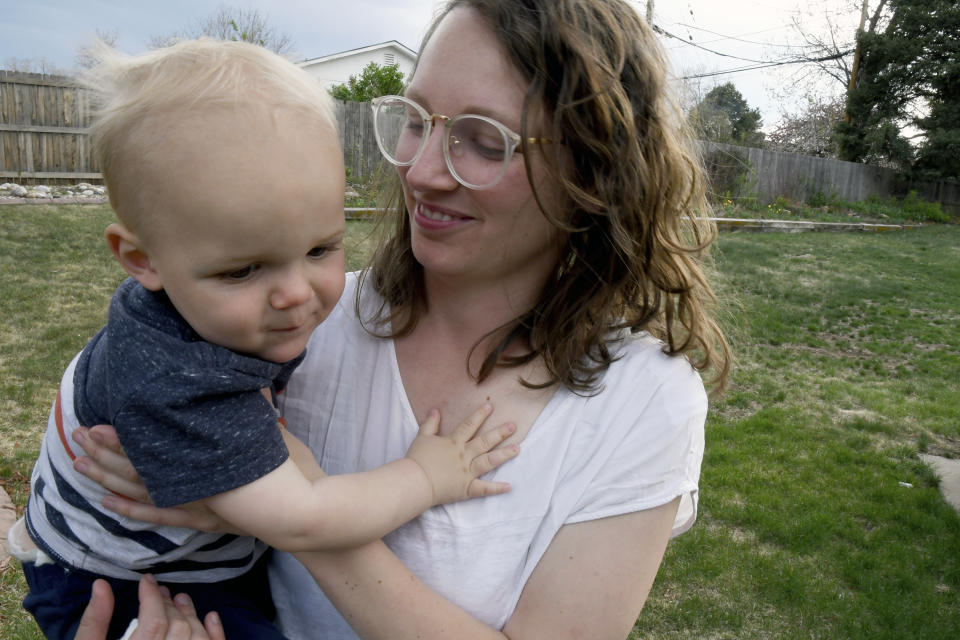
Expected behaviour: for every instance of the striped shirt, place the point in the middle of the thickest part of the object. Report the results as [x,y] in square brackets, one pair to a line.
[192,420]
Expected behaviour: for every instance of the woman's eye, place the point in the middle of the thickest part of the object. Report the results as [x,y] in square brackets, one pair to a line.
[488,148]
[414,126]
[241,274]
[317,252]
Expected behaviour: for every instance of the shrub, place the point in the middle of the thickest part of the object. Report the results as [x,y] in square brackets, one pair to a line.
[923,211]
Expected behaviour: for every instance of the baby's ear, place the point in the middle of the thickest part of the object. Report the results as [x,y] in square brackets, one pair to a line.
[128,250]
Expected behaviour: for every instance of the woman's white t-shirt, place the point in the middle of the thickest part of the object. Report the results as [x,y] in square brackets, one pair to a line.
[635,445]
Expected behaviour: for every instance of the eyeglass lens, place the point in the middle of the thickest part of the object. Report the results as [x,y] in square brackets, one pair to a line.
[477,150]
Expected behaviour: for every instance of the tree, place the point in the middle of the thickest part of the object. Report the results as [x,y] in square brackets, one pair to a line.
[85,59]
[812,130]
[374,80]
[831,53]
[724,116]
[821,78]
[231,23]
[938,155]
[905,105]
[33,65]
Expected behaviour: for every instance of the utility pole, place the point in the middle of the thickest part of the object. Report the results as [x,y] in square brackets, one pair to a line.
[650,12]
[856,58]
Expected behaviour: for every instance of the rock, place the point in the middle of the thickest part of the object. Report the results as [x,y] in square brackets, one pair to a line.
[18,191]
[42,188]
[87,192]
[8,515]
[7,186]
[36,193]
[350,193]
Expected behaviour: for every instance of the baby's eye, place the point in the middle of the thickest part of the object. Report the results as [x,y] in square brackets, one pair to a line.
[317,252]
[241,274]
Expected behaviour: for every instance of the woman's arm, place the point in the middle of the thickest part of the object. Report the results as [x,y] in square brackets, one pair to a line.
[592,582]
[594,578]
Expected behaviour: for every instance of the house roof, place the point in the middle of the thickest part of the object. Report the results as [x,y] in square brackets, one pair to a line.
[373,47]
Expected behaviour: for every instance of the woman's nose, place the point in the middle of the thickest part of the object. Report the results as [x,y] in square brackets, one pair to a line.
[430,171]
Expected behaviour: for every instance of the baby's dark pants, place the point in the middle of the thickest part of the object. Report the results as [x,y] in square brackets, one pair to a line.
[58,597]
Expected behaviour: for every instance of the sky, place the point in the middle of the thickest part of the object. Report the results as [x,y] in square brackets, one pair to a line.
[54,30]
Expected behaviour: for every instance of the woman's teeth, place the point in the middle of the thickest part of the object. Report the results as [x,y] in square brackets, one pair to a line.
[435,215]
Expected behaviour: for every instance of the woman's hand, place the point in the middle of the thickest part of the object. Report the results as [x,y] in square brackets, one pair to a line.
[106,464]
[159,618]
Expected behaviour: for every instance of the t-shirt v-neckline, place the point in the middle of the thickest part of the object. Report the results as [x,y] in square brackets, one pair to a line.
[411,425]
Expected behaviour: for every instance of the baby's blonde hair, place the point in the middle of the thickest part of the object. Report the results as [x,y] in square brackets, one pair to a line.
[183,79]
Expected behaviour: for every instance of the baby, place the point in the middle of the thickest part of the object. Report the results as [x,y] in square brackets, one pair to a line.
[225,171]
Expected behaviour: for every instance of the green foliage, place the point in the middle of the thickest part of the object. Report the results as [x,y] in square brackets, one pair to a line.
[820,207]
[240,35]
[724,116]
[728,173]
[923,210]
[818,199]
[909,78]
[374,81]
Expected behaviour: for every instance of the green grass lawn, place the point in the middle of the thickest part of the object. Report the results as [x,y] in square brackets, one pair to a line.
[848,364]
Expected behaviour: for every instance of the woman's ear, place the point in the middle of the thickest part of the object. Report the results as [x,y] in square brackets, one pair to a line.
[128,250]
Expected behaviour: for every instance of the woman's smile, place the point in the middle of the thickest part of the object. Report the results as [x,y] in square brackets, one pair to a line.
[435,218]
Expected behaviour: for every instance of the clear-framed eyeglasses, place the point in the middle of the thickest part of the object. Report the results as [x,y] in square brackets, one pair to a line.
[477,149]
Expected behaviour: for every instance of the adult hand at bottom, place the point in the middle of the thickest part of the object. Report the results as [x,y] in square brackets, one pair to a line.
[160,617]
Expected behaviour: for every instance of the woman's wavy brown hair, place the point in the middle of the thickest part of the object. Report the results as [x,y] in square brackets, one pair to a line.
[634,195]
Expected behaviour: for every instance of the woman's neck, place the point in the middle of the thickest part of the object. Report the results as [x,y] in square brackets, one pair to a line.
[433,358]
[471,309]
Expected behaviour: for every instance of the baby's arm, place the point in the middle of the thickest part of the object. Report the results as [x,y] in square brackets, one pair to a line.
[302,457]
[292,513]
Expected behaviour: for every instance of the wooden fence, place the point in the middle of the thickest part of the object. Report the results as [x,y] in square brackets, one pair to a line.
[43,121]
[43,138]
[43,132]
[360,152]
[743,172]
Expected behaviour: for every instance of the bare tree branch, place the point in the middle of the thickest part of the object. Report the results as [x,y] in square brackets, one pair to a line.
[232,23]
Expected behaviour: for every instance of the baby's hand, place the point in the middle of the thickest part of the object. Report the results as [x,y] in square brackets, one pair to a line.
[453,463]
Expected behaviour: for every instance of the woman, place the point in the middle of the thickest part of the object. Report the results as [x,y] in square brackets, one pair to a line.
[561,281]
[160,616]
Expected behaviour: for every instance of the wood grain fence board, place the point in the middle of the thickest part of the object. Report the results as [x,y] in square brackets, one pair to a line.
[29,128]
[26,144]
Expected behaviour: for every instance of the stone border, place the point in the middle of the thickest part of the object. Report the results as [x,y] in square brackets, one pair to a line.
[795,226]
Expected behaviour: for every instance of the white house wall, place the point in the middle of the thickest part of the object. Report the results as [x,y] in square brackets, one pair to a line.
[338,71]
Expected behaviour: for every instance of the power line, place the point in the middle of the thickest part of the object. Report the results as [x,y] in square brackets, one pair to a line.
[663,31]
[779,63]
[738,39]
[759,64]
